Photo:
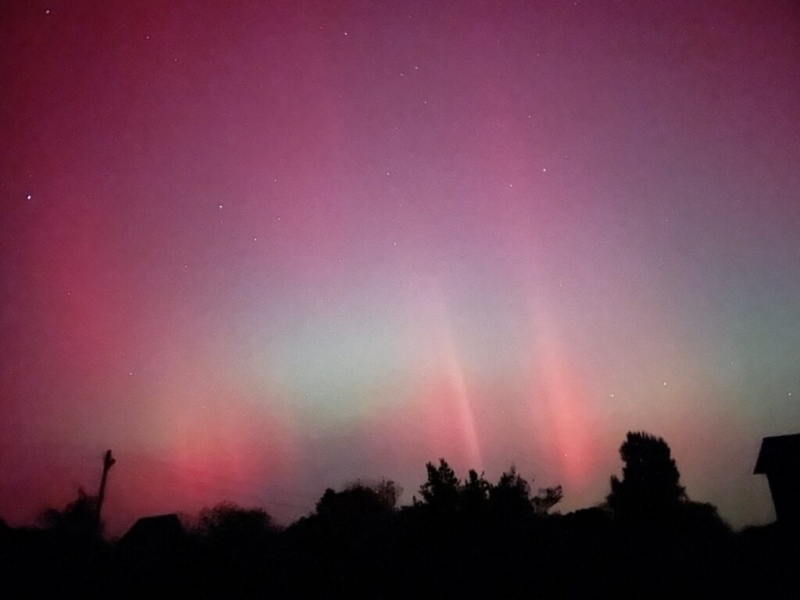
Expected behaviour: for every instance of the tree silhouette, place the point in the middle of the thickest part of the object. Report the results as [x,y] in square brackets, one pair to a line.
[512,494]
[229,524]
[650,477]
[648,540]
[475,492]
[546,499]
[359,499]
[441,490]
[79,517]
[387,491]
[236,544]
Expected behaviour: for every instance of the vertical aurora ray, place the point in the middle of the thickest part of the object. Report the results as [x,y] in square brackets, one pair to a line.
[443,401]
[462,400]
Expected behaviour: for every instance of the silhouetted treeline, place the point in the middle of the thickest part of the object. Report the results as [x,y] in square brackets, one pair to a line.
[460,538]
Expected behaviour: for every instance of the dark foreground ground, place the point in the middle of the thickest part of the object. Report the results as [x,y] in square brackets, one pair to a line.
[414,553]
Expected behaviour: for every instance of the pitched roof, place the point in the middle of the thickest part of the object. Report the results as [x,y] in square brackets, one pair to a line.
[779,453]
[157,527]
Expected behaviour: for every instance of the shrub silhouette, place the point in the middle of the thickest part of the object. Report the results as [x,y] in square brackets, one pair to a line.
[228,524]
[236,547]
[546,499]
[358,500]
[78,518]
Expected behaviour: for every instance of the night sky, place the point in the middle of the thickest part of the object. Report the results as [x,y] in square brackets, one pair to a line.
[260,248]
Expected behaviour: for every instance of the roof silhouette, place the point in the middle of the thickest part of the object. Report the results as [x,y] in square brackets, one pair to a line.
[778,453]
[154,531]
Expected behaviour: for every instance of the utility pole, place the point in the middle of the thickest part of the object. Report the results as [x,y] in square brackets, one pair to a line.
[108,462]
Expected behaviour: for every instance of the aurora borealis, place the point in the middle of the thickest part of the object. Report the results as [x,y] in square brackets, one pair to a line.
[262,248]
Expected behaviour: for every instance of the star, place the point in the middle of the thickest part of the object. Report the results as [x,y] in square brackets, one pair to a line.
[29,197]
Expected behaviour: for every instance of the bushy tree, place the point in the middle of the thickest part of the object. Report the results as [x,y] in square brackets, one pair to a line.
[79,517]
[387,491]
[441,489]
[475,491]
[512,494]
[359,499]
[546,499]
[228,524]
[650,479]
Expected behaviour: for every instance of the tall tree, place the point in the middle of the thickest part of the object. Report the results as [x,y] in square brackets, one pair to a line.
[650,479]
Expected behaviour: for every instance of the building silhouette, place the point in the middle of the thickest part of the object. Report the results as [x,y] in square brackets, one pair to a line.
[779,460]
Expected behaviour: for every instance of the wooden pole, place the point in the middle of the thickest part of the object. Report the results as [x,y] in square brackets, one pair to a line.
[108,462]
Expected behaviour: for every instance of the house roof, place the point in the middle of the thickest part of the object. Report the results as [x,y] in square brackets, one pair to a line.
[157,527]
[779,453]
